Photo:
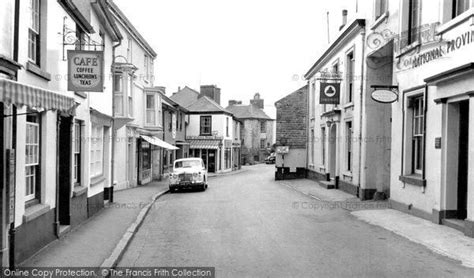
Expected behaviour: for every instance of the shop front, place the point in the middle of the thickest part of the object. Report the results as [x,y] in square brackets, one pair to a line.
[208,150]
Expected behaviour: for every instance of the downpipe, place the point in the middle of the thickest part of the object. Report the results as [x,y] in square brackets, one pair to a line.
[362,111]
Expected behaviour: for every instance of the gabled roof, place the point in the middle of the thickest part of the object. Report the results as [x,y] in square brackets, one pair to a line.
[128,25]
[206,105]
[303,89]
[185,96]
[347,32]
[248,112]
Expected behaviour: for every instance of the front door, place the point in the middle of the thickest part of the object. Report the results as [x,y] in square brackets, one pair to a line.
[64,165]
[212,161]
[332,150]
[463,159]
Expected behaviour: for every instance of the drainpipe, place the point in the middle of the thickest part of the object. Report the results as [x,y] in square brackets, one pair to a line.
[112,160]
[56,216]
[12,230]
[361,108]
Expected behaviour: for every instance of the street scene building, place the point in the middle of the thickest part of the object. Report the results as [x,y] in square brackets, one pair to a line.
[291,128]
[256,130]
[365,153]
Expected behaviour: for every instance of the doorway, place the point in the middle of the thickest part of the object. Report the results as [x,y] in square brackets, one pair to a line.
[463,159]
[332,150]
[212,161]
[64,166]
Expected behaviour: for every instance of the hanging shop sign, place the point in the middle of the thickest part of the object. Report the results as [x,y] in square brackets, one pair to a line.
[385,94]
[85,71]
[329,93]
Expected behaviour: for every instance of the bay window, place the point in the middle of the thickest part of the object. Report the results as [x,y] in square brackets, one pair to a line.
[118,95]
[150,109]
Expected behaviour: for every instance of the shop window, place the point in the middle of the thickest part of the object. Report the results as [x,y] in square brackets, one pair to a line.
[146,155]
[150,109]
[205,125]
[32,156]
[97,150]
[77,152]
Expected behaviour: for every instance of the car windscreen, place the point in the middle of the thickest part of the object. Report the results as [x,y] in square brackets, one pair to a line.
[187,164]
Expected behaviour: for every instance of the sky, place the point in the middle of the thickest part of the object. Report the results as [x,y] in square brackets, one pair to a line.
[243,47]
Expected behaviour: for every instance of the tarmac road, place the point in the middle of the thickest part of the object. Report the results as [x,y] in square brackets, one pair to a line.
[248,225]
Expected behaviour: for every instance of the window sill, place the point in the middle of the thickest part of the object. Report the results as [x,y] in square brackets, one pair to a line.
[35,211]
[349,105]
[453,23]
[80,94]
[79,190]
[97,179]
[413,180]
[38,71]
[379,20]
[408,48]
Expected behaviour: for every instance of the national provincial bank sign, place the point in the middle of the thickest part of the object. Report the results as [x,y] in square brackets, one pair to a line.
[85,71]
[443,48]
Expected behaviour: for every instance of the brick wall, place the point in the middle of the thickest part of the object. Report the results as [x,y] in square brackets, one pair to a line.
[291,118]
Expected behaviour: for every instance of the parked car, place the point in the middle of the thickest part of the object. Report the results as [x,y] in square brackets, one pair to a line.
[188,173]
[270,159]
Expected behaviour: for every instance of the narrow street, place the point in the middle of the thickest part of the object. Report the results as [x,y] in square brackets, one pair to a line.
[248,225]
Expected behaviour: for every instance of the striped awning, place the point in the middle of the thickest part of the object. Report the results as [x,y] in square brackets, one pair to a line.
[158,142]
[204,144]
[12,92]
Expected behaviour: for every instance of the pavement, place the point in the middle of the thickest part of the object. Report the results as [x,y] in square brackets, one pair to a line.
[101,240]
[438,238]
[249,225]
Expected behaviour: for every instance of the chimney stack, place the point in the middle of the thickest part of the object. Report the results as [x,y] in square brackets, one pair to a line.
[234,102]
[344,19]
[212,92]
[257,101]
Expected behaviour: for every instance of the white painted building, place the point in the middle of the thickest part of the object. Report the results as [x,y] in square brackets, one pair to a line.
[433,122]
[349,142]
[137,107]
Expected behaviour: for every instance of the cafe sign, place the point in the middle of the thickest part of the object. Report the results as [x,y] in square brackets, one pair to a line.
[85,71]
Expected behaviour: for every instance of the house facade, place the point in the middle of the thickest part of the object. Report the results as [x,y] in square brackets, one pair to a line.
[433,120]
[57,140]
[349,138]
[212,131]
[291,129]
[137,108]
[175,120]
[257,129]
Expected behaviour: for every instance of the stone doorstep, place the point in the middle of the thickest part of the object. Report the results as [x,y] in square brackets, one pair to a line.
[327,184]
[454,223]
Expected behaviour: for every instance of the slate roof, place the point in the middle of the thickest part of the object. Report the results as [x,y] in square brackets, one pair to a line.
[303,89]
[185,96]
[248,112]
[205,104]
